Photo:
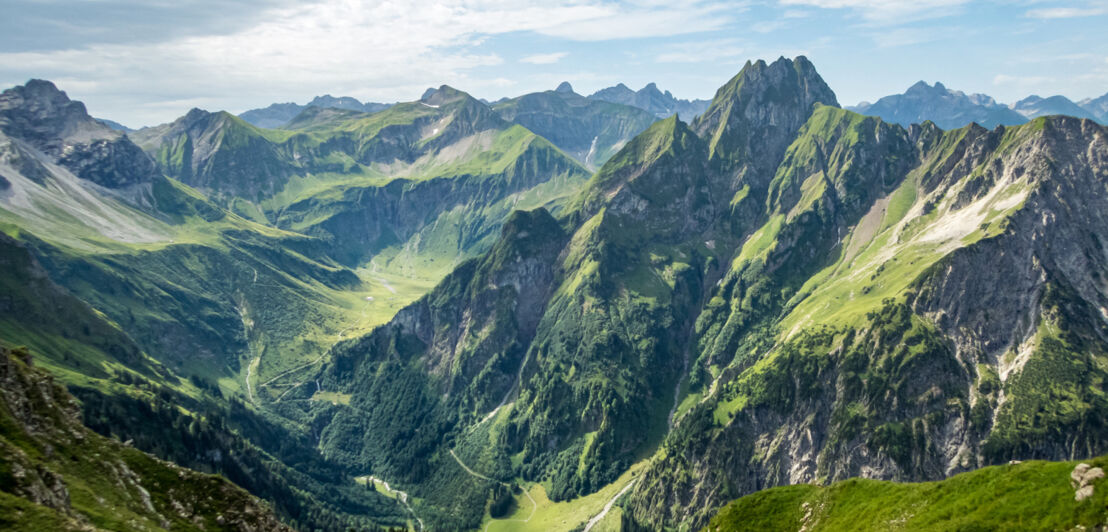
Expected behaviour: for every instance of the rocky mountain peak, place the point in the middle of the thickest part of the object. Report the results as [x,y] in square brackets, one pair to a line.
[922,88]
[564,87]
[195,114]
[43,116]
[759,110]
[41,91]
[443,95]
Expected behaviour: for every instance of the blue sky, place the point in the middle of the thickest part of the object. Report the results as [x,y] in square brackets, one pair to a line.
[143,62]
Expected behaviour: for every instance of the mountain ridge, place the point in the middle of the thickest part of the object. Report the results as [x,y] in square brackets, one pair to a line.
[780,291]
[276,115]
[952,109]
[651,99]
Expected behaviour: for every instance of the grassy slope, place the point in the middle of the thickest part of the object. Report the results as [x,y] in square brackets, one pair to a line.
[108,485]
[198,248]
[562,516]
[880,258]
[1027,496]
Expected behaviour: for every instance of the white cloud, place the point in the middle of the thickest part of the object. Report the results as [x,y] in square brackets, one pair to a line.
[371,49]
[1066,12]
[544,59]
[701,51]
[904,36]
[647,18]
[795,13]
[767,26]
[1023,83]
[887,11]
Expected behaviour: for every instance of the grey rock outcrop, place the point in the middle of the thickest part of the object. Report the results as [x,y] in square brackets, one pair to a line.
[44,117]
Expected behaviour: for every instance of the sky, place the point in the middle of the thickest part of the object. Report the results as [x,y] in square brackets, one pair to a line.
[145,62]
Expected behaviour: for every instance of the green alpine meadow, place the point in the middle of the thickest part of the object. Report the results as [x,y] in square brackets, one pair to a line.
[623,311]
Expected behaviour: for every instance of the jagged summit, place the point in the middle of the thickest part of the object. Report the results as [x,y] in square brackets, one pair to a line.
[43,116]
[922,87]
[651,99]
[443,95]
[564,87]
[754,116]
[41,113]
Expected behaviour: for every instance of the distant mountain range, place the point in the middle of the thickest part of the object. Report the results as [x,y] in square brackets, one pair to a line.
[649,98]
[950,109]
[278,114]
[1035,106]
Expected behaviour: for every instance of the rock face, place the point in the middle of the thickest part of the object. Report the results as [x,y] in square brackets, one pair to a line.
[753,118]
[949,109]
[650,99]
[217,152]
[67,477]
[45,118]
[1082,479]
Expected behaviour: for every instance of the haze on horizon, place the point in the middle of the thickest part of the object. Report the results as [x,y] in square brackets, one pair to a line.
[143,63]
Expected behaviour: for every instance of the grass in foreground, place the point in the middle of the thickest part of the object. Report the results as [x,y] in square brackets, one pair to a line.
[1027,496]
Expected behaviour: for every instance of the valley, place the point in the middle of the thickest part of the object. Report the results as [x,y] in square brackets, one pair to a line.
[554,312]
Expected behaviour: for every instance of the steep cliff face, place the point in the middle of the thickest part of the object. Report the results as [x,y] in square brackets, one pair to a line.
[44,117]
[220,153]
[958,326]
[753,118]
[56,474]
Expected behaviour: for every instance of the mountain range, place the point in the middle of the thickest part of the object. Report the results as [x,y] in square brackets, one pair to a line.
[652,100]
[278,114]
[649,99]
[951,109]
[437,316]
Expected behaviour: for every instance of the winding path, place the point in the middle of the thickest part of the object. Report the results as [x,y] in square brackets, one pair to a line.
[402,496]
[608,507]
[250,373]
[534,505]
